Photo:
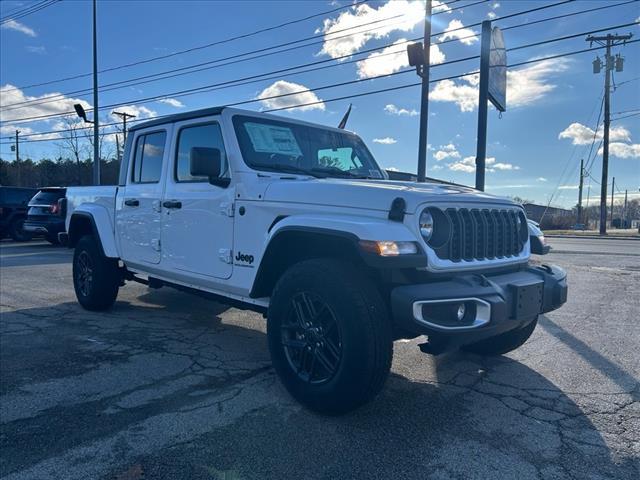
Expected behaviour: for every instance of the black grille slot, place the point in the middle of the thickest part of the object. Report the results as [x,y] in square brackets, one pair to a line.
[482,234]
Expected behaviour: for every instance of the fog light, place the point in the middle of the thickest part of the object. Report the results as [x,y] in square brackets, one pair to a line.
[462,309]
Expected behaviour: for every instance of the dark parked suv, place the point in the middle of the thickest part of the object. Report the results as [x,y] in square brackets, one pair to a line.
[47,211]
[13,212]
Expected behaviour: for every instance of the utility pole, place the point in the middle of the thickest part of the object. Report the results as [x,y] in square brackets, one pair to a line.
[624,210]
[124,116]
[608,41]
[96,112]
[18,156]
[613,189]
[420,57]
[17,146]
[580,191]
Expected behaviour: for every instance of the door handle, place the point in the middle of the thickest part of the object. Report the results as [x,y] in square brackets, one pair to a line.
[131,202]
[172,204]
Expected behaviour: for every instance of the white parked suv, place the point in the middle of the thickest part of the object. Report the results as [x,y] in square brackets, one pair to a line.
[299,222]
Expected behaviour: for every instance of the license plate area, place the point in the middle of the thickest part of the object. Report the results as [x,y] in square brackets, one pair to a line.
[527,299]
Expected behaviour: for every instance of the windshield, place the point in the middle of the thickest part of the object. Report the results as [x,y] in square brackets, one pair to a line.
[293,148]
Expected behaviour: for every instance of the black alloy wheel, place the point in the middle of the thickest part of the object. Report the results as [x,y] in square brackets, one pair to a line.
[311,338]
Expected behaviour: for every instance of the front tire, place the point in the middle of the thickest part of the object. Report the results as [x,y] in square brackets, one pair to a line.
[329,336]
[503,343]
[95,277]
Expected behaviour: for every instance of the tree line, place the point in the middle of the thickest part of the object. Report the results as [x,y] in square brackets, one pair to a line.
[60,172]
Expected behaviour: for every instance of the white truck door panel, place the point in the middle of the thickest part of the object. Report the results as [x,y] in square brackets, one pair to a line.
[138,207]
[197,218]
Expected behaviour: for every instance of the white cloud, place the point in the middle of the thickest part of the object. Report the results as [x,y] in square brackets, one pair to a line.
[385,140]
[568,187]
[495,5]
[542,179]
[491,15]
[393,169]
[524,87]
[456,30]
[391,109]
[40,50]
[19,27]
[468,165]
[465,96]
[9,94]
[446,151]
[623,150]
[171,101]
[580,134]
[340,42]
[138,110]
[392,59]
[282,87]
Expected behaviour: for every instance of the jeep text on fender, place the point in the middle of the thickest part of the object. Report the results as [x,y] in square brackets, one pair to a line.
[342,261]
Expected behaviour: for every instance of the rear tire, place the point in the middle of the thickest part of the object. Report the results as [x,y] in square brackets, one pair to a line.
[329,336]
[95,277]
[16,231]
[503,343]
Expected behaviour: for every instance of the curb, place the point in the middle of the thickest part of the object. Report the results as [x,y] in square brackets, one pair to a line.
[604,237]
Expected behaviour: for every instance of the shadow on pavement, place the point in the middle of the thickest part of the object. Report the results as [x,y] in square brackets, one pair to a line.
[76,382]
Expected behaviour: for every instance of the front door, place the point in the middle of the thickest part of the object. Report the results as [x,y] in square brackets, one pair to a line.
[197,218]
[138,203]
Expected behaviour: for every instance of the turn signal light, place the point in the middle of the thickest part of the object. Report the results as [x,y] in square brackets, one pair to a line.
[389,248]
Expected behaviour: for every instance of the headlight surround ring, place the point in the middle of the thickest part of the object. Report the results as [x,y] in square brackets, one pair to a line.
[440,232]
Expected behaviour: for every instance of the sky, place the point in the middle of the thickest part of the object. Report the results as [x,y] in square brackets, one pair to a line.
[533,149]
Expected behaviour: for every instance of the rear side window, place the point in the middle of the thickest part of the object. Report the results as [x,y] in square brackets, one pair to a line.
[147,163]
[47,197]
[206,135]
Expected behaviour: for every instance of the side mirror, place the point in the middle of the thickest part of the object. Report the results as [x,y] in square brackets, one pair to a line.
[207,162]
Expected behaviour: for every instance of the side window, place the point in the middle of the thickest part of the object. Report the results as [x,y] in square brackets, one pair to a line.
[206,135]
[147,162]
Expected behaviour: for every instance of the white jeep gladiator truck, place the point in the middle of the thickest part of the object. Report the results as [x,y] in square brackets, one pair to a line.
[297,221]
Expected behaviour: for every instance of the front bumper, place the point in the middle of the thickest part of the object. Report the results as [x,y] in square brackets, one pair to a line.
[503,302]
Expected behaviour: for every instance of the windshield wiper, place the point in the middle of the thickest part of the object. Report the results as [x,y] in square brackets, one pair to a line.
[281,167]
[337,172]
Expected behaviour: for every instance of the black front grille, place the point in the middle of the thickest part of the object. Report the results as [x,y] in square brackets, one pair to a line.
[480,234]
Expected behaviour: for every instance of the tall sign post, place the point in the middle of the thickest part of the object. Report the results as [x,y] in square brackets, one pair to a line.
[493,88]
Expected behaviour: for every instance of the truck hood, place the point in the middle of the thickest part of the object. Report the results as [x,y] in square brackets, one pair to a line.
[373,194]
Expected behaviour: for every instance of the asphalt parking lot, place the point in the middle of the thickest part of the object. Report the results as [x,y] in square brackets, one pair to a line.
[170,386]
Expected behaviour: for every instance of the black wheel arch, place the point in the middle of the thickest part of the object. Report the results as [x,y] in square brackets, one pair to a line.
[80,224]
[292,244]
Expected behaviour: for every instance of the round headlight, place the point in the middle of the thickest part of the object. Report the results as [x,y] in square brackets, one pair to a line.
[426,225]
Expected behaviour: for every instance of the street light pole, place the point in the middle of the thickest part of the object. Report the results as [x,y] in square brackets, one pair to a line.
[96,130]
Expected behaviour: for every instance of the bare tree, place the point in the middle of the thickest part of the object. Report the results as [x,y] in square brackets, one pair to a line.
[105,143]
[73,142]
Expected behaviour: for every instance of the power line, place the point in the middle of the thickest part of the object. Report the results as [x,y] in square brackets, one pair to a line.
[626,116]
[33,9]
[163,75]
[166,74]
[219,42]
[360,94]
[53,115]
[208,87]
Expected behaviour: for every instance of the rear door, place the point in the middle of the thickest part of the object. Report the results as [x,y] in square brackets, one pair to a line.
[197,219]
[138,207]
